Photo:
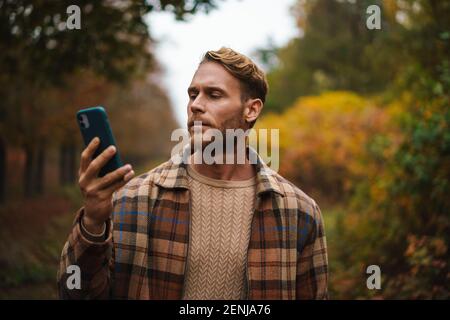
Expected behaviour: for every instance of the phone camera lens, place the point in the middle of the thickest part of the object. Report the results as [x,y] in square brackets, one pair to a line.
[84,122]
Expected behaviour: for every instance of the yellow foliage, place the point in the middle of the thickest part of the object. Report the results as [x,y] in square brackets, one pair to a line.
[324,140]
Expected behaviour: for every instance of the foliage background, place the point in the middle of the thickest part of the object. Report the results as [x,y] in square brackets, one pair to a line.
[377,154]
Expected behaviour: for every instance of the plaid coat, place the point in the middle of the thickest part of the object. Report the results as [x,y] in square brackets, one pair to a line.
[145,251]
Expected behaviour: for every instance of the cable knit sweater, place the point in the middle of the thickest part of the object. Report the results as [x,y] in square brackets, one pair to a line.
[221,213]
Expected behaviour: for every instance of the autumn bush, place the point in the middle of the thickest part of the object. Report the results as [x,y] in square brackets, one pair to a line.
[377,155]
[324,141]
[375,166]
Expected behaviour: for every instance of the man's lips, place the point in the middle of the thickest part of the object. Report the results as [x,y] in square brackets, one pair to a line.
[202,124]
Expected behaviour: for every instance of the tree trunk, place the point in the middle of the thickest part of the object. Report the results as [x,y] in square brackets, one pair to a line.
[71,168]
[67,164]
[2,171]
[40,168]
[28,177]
[62,165]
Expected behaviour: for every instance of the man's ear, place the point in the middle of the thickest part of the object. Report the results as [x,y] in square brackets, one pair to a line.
[253,108]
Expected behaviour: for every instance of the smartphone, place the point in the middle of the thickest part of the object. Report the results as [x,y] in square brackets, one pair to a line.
[93,122]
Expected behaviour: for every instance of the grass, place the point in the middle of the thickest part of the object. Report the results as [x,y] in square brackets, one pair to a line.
[336,280]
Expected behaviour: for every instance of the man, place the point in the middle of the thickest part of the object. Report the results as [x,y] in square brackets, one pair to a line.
[196,230]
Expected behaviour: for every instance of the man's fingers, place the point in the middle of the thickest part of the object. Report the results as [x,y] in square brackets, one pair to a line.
[117,185]
[96,164]
[114,176]
[128,176]
[87,153]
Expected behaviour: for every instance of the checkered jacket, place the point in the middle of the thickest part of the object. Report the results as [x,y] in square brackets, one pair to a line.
[144,252]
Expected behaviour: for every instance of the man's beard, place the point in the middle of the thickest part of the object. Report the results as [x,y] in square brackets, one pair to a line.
[220,143]
[201,138]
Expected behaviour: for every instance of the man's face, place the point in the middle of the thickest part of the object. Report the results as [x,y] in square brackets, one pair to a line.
[215,100]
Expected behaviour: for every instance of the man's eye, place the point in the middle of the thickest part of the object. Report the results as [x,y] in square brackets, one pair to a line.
[215,96]
[192,96]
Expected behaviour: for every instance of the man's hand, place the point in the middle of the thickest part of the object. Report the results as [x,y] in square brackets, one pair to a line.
[97,192]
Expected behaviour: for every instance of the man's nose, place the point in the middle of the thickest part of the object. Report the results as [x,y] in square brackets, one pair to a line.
[197,105]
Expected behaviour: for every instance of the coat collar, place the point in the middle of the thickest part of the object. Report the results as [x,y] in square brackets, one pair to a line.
[174,174]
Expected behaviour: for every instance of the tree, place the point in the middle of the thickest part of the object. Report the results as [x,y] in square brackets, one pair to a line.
[401,222]
[37,52]
[335,51]
[323,139]
[397,213]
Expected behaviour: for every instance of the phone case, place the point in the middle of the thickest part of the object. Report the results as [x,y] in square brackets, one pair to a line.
[93,122]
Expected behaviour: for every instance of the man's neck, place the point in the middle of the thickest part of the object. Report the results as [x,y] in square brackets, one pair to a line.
[231,172]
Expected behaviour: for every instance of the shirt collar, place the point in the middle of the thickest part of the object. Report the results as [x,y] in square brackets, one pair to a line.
[174,174]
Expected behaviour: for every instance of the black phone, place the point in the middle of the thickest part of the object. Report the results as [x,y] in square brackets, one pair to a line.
[93,122]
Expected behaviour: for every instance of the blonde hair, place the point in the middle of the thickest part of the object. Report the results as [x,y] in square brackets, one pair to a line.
[253,80]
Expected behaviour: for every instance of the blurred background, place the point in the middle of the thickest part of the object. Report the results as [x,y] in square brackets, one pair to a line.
[363,117]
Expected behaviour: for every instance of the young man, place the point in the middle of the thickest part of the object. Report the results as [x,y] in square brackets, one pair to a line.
[198,231]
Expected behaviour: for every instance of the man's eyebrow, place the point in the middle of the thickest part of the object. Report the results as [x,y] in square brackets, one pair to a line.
[208,88]
[217,88]
[192,88]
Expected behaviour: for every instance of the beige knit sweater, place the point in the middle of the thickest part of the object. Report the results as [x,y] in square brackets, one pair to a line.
[220,231]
